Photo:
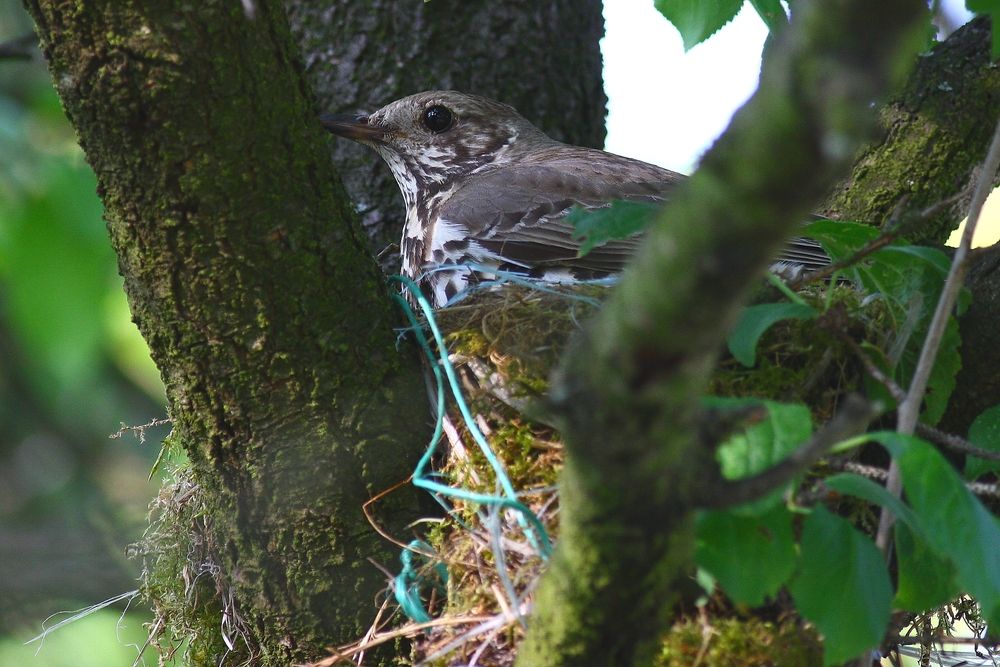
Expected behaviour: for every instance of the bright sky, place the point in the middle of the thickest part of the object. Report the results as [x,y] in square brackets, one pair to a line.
[666,106]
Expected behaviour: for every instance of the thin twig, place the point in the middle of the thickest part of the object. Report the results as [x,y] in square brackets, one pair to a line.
[981,489]
[139,431]
[497,622]
[369,513]
[869,471]
[952,441]
[874,371]
[948,440]
[909,409]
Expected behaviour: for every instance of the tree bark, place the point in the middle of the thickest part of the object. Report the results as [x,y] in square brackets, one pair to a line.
[249,277]
[542,58]
[935,132]
[628,390]
[978,384]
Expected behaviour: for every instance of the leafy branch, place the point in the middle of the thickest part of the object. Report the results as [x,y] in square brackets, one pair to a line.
[908,411]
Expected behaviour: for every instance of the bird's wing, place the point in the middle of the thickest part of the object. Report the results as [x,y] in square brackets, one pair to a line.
[518,213]
[805,253]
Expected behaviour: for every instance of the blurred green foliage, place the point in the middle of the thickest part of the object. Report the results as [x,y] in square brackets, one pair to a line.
[103,639]
[73,368]
[61,293]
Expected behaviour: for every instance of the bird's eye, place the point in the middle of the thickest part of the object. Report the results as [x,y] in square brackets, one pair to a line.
[437,118]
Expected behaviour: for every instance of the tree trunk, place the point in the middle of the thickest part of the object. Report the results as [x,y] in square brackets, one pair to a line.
[542,58]
[935,133]
[247,274]
[978,384]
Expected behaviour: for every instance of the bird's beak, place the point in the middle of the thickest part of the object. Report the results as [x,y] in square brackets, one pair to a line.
[353,127]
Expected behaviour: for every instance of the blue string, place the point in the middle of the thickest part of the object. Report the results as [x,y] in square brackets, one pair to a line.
[421,478]
[407,584]
[502,277]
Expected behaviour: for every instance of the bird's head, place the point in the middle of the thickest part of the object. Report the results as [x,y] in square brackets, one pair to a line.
[430,138]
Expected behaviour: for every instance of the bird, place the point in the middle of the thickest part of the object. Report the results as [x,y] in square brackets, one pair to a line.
[487,193]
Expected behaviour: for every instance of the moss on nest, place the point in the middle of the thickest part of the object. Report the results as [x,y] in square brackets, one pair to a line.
[739,642]
[521,330]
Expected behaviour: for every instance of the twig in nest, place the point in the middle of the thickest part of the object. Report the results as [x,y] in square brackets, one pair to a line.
[344,653]
[370,516]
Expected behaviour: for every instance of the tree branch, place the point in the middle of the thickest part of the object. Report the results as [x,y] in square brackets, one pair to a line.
[628,389]
[955,443]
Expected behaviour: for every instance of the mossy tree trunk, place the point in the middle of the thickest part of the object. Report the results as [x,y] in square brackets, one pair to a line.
[249,275]
[934,133]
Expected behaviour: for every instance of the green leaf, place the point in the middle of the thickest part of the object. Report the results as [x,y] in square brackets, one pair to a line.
[842,586]
[925,579]
[944,374]
[762,444]
[731,545]
[621,220]
[861,487]
[756,320]
[772,13]
[985,433]
[840,239]
[953,521]
[767,442]
[697,20]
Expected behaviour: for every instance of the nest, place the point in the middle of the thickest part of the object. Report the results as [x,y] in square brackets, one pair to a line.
[505,343]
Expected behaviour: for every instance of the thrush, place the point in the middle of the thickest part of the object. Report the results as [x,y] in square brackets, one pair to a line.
[488,193]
